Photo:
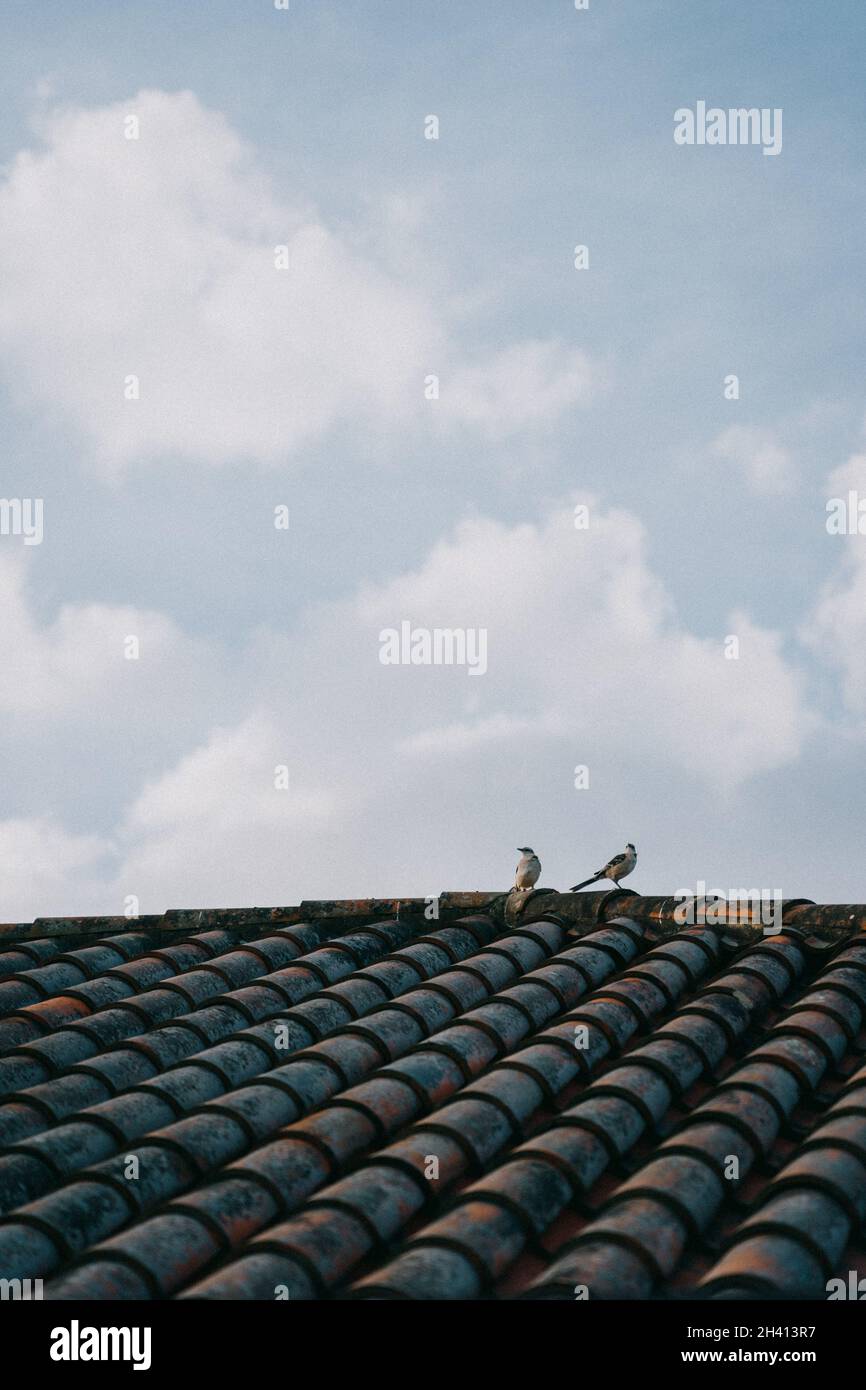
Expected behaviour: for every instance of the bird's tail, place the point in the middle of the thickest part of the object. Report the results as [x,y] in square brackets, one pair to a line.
[586,881]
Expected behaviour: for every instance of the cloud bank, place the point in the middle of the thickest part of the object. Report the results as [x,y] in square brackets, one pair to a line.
[161,296]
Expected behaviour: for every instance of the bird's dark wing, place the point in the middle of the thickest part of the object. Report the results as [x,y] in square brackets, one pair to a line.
[617,859]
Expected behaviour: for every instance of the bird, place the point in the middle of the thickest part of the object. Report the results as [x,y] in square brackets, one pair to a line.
[528,870]
[614,869]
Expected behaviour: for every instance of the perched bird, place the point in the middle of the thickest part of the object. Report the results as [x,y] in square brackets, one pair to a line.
[528,870]
[614,869]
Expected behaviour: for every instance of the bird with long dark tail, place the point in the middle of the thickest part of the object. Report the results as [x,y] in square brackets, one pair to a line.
[614,869]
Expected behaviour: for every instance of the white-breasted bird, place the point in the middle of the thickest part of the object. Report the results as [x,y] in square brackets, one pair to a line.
[614,869]
[528,870]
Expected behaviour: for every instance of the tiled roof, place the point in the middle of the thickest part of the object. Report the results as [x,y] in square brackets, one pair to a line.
[532,1096]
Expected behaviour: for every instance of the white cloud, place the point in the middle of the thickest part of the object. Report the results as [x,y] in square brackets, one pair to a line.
[461,738]
[529,383]
[767,466]
[231,781]
[567,612]
[44,868]
[835,630]
[76,664]
[154,257]
[222,823]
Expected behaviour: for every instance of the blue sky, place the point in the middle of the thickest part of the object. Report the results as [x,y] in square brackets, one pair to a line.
[152,779]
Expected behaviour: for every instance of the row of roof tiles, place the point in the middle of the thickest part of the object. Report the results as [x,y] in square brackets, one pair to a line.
[383,1114]
[205,1139]
[314,1150]
[638,1241]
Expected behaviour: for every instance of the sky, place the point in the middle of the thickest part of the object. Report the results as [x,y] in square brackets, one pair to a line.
[296,347]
